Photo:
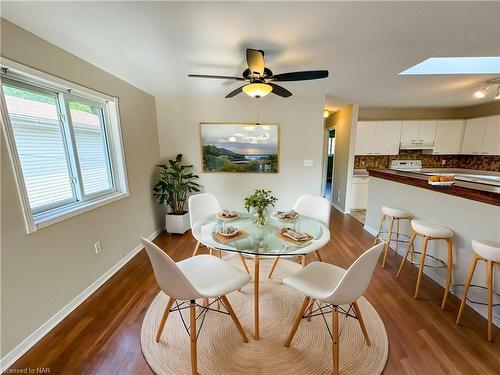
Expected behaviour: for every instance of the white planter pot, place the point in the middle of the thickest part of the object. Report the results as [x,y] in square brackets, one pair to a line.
[177,223]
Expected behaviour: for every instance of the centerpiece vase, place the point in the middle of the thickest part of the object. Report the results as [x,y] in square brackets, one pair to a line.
[260,218]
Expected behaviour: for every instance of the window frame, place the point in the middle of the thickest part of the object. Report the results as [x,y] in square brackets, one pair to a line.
[65,92]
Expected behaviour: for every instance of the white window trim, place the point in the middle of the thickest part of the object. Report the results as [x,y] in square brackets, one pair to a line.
[35,222]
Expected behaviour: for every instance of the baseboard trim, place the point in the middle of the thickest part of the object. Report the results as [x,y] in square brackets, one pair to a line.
[337,207]
[45,328]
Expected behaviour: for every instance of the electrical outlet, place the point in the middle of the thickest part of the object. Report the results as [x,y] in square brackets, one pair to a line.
[308,163]
[443,162]
[97,247]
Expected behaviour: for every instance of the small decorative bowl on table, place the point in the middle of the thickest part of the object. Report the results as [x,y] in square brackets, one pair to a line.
[226,215]
[229,231]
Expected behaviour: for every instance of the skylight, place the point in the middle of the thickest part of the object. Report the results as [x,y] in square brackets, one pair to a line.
[456,65]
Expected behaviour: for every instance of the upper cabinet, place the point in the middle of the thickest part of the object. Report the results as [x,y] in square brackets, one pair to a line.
[448,137]
[378,137]
[482,136]
[418,134]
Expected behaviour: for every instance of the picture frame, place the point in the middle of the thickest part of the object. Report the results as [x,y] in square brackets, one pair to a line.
[239,147]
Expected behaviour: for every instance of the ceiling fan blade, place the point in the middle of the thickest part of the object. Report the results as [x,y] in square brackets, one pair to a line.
[280,91]
[235,92]
[255,60]
[216,77]
[300,76]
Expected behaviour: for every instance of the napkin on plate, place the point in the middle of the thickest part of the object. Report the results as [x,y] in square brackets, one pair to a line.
[294,235]
[286,214]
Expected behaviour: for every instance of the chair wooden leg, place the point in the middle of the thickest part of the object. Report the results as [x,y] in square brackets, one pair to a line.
[243,263]
[211,251]
[468,281]
[382,219]
[421,268]
[318,255]
[449,273]
[164,318]
[490,299]
[275,263]
[197,247]
[357,311]
[310,309]
[234,317]
[397,236]
[410,246]
[303,260]
[335,343]
[192,335]
[296,324]
[388,244]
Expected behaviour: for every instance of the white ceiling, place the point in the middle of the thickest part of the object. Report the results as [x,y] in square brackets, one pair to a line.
[154,45]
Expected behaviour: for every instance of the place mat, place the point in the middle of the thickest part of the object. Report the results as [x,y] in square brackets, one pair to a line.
[222,239]
[296,242]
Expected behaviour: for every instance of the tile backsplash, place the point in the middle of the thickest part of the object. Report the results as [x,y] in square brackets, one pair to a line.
[481,162]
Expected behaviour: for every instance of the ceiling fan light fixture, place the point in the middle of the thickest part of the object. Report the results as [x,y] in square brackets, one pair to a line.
[479,94]
[257,90]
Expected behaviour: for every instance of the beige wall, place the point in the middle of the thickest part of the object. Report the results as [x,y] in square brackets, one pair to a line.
[301,137]
[43,271]
[344,121]
[485,109]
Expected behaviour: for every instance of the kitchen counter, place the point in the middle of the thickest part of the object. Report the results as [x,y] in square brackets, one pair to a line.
[485,192]
[471,210]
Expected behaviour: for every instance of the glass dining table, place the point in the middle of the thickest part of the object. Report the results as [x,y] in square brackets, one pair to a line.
[257,242]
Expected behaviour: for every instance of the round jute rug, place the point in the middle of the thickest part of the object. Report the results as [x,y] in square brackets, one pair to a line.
[221,349]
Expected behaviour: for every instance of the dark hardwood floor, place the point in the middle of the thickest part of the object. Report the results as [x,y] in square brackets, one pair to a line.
[102,336]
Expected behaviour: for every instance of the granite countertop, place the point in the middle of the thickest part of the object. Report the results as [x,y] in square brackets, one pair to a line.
[481,192]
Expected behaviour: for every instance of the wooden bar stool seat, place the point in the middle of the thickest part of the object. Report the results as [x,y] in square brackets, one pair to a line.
[430,232]
[488,251]
[394,215]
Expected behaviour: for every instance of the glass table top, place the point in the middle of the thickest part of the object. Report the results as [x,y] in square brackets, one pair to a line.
[262,241]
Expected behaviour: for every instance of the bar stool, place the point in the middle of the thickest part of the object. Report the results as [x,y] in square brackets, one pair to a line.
[489,251]
[430,232]
[395,215]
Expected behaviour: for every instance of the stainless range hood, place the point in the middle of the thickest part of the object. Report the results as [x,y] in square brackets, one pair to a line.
[414,145]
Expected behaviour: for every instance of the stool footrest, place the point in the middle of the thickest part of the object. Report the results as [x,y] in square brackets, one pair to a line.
[477,302]
[441,264]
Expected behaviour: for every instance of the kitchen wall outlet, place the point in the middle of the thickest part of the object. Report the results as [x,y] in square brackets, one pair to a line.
[443,162]
[308,163]
[97,247]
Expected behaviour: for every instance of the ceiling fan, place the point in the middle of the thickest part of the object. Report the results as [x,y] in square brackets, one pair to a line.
[261,79]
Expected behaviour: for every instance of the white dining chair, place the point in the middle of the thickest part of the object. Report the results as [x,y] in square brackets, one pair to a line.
[200,277]
[315,207]
[200,206]
[334,287]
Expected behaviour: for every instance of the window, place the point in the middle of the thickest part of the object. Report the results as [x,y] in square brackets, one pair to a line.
[65,145]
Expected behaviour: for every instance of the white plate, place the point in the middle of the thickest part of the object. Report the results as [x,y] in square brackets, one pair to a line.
[441,183]
[231,234]
[275,215]
[227,218]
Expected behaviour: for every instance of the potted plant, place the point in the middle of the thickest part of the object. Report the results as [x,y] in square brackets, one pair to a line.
[259,201]
[175,184]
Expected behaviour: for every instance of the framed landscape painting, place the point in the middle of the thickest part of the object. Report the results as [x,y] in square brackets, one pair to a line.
[244,148]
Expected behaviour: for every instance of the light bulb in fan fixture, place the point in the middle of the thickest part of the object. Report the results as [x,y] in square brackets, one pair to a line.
[479,94]
[257,90]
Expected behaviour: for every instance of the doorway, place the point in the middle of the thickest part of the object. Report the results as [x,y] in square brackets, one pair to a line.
[330,157]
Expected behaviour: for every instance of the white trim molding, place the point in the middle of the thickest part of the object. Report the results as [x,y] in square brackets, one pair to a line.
[45,328]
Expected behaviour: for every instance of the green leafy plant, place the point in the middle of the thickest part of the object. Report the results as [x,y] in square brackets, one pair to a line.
[175,185]
[259,201]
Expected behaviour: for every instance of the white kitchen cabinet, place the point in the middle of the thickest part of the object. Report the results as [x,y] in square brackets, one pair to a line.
[482,136]
[418,133]
[359,193]
[377,138]
[491,140]
[387,138]
[449,135]
[365,137]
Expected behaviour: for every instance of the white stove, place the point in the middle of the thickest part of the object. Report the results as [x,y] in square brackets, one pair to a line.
[406,165]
